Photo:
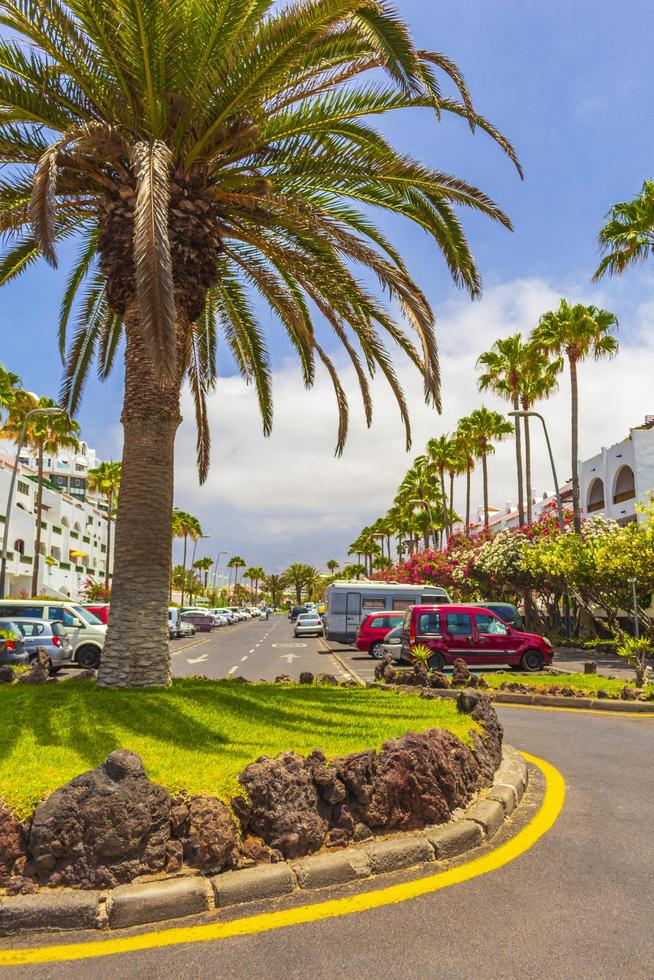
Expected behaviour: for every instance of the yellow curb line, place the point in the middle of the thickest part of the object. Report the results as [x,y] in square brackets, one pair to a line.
[576,711]
[319,911]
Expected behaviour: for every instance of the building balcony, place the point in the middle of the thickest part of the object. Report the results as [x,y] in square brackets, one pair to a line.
[74,534]
[597,505]
[619,498]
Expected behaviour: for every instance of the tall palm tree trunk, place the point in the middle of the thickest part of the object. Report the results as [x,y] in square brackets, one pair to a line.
[484,470]
[110,506]
[136,654]
[574,389]
[530,511]
[451,501]
[467,501]
[446,526]
[518,460]
[184,570]
[37,540]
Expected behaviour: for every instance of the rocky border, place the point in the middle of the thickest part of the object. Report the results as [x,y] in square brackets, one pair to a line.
[188,894]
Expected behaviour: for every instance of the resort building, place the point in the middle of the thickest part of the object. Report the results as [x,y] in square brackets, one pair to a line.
[619,478]
[73,535]
[68,469]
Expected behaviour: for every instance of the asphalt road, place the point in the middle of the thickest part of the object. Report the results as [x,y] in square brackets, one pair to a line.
[257,649]
[577,904]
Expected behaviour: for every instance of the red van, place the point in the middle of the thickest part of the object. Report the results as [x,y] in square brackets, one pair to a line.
[99,609]
[476,635]
[374,628]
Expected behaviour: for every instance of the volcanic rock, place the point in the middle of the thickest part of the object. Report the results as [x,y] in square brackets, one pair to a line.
[209,839]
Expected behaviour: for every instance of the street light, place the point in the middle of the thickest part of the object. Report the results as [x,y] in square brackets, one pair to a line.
[215,571]
[10,496]
[190,578]
[523,415]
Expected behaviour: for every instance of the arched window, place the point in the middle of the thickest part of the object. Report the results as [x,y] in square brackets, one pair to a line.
[595,496]
[78,527]
[624,487]
[19,546]
[65,522]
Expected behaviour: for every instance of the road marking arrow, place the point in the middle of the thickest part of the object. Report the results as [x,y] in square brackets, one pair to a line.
[289,657]
[198,660]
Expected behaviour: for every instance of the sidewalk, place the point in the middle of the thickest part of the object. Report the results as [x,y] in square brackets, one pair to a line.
[608,664]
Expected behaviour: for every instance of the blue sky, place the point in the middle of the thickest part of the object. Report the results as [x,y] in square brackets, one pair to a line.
[571,85]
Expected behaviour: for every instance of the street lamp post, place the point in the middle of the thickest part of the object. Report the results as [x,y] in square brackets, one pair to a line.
[559,504]
[12,485]
[215,571]
[190,580]
[634,582]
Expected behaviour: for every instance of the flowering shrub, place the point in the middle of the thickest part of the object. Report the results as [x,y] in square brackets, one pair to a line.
[93,591]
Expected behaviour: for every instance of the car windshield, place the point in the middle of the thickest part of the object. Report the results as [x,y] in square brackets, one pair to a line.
[87,616]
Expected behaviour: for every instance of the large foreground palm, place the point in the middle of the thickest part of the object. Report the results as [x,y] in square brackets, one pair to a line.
[202,153]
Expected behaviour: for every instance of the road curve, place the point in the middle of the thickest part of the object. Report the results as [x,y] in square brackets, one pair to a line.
[576,904]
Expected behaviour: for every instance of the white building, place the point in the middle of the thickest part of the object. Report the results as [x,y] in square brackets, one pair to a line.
[617,479]
[73,536]
[67,469]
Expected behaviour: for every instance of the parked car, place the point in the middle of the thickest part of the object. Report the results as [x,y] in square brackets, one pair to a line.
[99,609]
[187,629]
[296,611]
[86,632]
[238,612]
[226,613]
[13,649]
[36,633]
[392,643]
[473,633]
[505,610]
[202,621]
[308,624]
[373,629]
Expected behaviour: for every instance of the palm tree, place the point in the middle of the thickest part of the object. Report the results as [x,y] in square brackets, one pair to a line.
[275,585]
[538,380]
[42,434]
[628,236]
[441,451]
[332,565]
[457,466]
[235,563]
[577,332]
[10,388]
[314,583]
[105,481]
[485,427]
[177,531]
[504,366]
[256,576]
[201,152]
[203,565]
[296,576]
[465,451]
[190,527]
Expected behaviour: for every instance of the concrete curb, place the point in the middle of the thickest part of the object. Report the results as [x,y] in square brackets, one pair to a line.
[173,898]
[554,701]
[353,674]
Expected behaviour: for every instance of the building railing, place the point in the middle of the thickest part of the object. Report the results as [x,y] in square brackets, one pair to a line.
[86,539]
[74,534]
[596,505]
[57,530]
[26,559]
[619,498]
[64,564]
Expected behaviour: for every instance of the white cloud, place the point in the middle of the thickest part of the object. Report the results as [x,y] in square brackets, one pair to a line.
[287,498]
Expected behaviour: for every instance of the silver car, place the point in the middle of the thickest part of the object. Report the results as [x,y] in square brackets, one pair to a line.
[392,643]
[48,635]
[308,624]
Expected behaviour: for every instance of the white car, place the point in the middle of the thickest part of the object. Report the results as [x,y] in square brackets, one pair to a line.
[226,614]
[309,624]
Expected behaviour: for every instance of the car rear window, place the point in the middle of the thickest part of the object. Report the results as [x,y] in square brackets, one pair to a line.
[429,622]
[31,629]
[379,623]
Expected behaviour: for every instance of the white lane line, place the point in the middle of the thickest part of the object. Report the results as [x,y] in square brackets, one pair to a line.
[232,669]
[252,650]
[244,658]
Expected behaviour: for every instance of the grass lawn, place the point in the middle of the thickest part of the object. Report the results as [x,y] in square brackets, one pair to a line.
[582,682]
[195,736]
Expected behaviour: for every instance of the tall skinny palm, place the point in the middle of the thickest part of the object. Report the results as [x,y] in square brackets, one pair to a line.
[627,238]
[504,366]
[105,481]
[234,564]
[464,462]
[484,428]
[43,434]
[202,154]
[578,332]
[441,451]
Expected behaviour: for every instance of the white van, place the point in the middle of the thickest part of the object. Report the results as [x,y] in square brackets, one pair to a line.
[86,632]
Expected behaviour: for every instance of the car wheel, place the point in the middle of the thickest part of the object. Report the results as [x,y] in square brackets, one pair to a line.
[437,661]
[88,657]
[532,661]
[376,650]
